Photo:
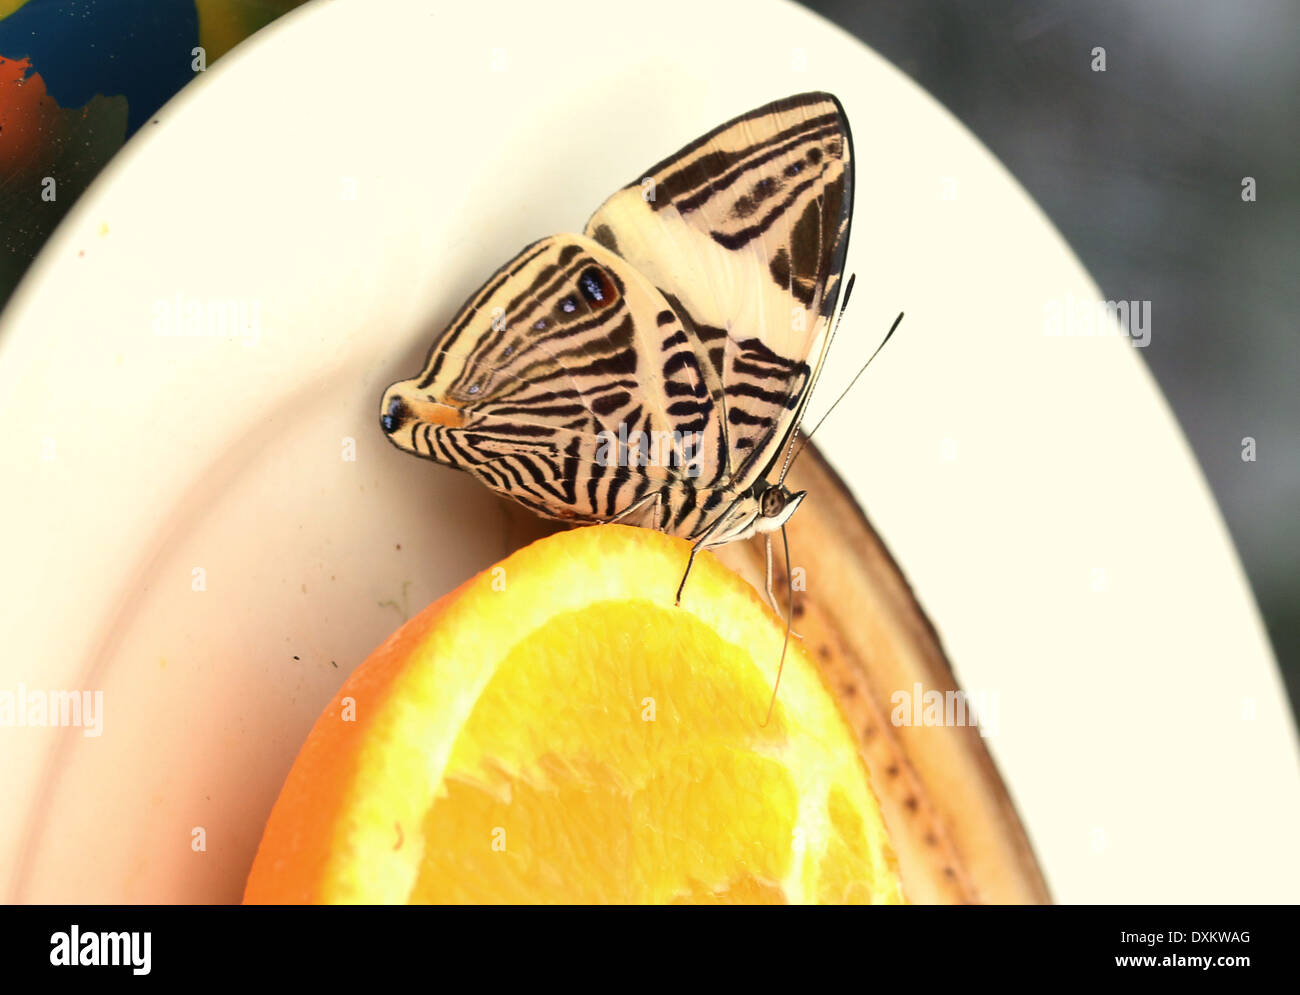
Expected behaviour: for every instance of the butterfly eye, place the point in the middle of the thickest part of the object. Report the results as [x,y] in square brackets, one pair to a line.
[595,285]
[474,388]
[569,304]
[772,503]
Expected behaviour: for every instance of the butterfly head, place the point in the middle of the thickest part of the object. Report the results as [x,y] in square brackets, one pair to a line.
[776,503]
[763,508]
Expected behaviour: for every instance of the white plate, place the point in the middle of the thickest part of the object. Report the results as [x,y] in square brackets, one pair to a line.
[354,172]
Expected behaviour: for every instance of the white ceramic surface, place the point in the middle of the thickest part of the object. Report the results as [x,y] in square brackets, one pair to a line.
[353,172]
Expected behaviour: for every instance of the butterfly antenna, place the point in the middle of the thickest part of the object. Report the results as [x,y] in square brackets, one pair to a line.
[789,621]
[807,438]
[817,372]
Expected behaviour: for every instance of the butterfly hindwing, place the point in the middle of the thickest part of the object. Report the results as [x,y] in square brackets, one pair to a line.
[745,230]
[567,383]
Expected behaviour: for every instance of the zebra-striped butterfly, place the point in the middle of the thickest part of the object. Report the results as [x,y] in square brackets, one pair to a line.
[654,369]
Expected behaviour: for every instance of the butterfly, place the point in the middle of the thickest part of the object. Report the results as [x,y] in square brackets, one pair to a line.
[655,369]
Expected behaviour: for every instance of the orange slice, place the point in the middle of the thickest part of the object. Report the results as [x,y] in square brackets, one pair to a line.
[555,730]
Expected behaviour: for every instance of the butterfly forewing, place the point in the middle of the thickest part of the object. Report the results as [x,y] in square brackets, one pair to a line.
[746,231]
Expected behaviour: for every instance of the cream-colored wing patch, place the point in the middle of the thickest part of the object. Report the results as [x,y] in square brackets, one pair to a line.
[745,231]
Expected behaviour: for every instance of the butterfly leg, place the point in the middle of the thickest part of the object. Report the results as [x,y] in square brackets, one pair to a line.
[789,618]
[771,597]
[682,586]
[701,543]
[636,506]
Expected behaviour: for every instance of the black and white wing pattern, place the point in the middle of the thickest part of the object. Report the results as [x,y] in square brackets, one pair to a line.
[567,383]
[746,231]
[651,369]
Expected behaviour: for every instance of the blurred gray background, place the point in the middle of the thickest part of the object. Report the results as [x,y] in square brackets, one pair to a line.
[1140,167]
